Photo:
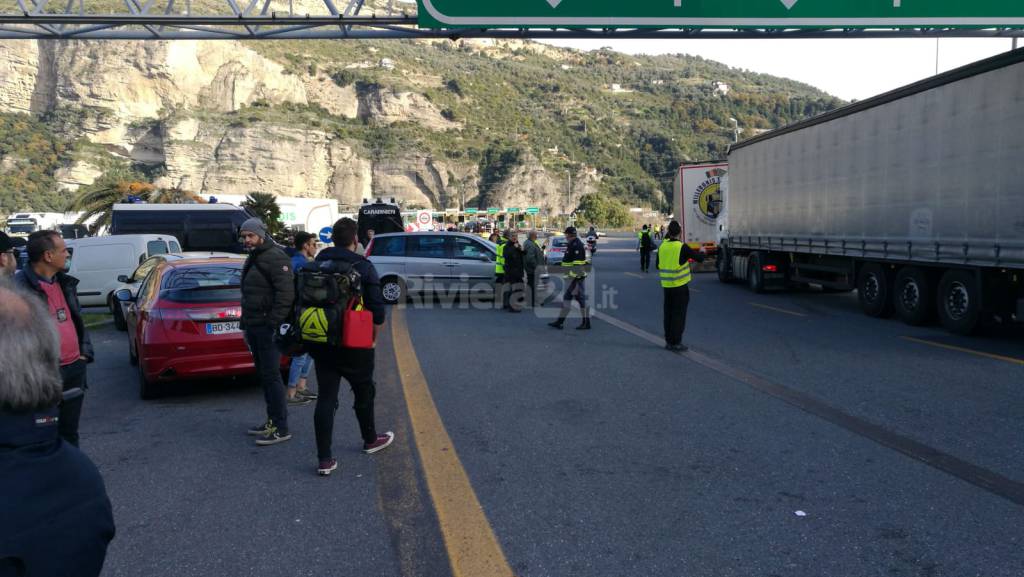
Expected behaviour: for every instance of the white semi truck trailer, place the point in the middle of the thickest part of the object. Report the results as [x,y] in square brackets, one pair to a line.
[915,198]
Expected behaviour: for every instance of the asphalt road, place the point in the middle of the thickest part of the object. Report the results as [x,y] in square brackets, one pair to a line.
[799,438]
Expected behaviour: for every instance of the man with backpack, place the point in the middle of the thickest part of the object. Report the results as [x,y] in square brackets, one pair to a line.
[340,275]
[268,291]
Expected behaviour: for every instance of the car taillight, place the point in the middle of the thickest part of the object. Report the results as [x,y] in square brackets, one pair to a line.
[200,315]
[369,249]
[770,268]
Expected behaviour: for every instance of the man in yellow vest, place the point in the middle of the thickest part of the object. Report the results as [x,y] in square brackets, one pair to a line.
[645,244]
[673,262]
[499,273]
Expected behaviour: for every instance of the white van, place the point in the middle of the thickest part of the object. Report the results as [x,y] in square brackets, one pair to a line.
[97,262]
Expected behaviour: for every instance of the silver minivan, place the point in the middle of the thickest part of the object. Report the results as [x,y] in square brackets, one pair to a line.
[432,262]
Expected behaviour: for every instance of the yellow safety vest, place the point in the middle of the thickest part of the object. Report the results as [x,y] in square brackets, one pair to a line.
[672,273]
[499,261]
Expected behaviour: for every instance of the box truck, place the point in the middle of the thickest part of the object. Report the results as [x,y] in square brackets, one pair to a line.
[914,198]
[697,203]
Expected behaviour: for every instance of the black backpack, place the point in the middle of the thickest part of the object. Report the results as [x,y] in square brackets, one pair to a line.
[323,290]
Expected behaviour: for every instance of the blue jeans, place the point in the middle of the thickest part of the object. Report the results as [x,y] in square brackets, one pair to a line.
[299,370]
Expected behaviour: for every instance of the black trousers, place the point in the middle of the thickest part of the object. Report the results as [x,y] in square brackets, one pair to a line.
[531,288]
[676,301]
[268,369]
[73,376]
[500,290]
[645,259]
[513,290]
[356,367]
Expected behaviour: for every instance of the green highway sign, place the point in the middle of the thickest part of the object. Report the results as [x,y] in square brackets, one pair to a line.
[492,210]
[512,210]
[721,13]
[533,210]
[471,211]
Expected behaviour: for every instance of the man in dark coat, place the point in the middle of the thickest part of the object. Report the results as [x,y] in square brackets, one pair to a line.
[515,272]
[268,292]
[354,365]
[57,519]
[45,277]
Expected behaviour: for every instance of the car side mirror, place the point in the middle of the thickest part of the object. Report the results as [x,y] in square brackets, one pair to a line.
[123,278]
[124,296]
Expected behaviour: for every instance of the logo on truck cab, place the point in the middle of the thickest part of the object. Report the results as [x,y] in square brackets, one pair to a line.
[707,198]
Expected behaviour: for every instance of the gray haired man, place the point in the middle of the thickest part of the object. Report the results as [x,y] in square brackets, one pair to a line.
[56,514]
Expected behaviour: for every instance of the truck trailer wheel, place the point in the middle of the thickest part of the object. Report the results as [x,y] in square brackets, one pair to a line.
[913,296]
[959,302]
[722,266]
[873,287]
[755,277]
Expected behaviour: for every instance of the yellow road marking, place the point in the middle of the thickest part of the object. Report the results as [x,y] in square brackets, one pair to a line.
[778,310]
[1013,360]
[473,550]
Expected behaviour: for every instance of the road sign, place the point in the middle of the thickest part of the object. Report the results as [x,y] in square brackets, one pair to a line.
[424,218]
[471,211]
[512,210]
[492,210]
[721,13]
[533,210]
[325,234]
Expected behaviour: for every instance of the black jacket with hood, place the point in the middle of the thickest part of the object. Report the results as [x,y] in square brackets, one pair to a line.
[57,519]
[268,286]
[28,279]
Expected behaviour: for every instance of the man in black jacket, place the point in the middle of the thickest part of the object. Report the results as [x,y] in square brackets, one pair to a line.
[45,276]
[268,292]
[354,365]
[57,518]
[515,270]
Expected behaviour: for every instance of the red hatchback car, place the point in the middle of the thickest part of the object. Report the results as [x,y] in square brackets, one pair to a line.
[183,324]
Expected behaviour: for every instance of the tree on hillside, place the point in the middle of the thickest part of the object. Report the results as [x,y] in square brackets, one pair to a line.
[98,200]
[264,206]
[604,211]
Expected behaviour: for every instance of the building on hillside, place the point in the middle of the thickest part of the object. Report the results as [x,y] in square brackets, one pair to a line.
[720,87]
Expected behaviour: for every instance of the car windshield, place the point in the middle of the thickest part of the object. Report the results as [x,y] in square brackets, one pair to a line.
[559,241]
[203,284]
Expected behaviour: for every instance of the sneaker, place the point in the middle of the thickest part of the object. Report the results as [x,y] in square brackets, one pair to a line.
[260,430]
[273,437]
[298,401]
[326,466]
[307,393]
[382,442]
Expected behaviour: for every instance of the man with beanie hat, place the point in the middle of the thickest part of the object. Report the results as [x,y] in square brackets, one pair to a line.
[8,260]
[268,292]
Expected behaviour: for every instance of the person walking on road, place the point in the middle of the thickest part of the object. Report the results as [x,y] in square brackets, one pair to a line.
[673,262]
[8,260]
[268,291]
[56,513]
[645,244]
[533,257]
[515,271]
[576,260]
[298,373]
[499,272]
[354,365]
[45,277]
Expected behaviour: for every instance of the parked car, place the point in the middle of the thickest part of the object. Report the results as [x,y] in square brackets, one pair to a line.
[183,322]
[209,227]
[422,262]
[98,261]
[556,246]
[133,281]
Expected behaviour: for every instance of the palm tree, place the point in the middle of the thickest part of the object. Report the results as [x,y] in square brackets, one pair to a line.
[174,195]
[99,199]
[264,205]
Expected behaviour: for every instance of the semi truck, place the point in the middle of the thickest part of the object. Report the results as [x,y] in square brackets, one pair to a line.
[913,198]
[697,204]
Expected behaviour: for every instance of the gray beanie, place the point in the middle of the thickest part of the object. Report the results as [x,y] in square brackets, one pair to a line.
[255,226]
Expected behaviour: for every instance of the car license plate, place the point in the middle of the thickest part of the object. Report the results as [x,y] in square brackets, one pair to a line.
[227,328]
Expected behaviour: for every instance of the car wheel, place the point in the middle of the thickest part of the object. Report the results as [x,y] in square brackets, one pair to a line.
[147,388]
[116,310]
[913,296]
[873,287]
[393,290]
[959,302]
